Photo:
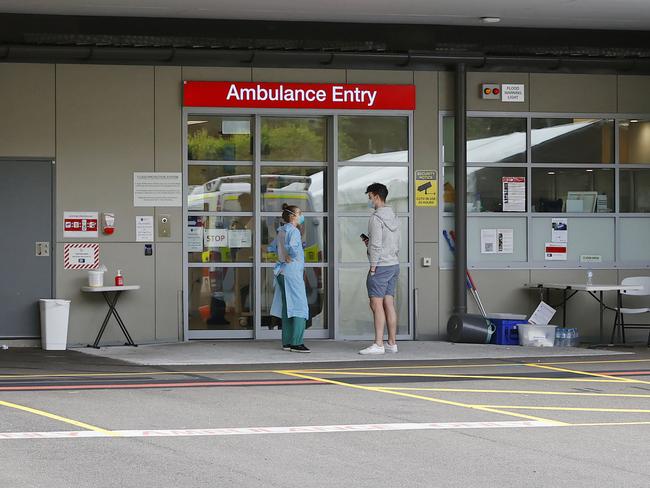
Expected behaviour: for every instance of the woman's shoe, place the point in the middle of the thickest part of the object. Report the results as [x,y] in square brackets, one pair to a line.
[300,348]
[286,347]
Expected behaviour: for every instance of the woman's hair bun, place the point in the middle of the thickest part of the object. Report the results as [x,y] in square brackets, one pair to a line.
[285,206]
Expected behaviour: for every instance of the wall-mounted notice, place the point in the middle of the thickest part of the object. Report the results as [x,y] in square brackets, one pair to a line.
[215,238]
[144,228]
[80,256]
[240,238]
[426,188]
[497,241]
[194,239]
[513,93]
[157,189]
[555,251]
[80,224]
[560,230]
[514,193]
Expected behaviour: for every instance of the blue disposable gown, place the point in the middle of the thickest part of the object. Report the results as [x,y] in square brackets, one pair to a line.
[293,275]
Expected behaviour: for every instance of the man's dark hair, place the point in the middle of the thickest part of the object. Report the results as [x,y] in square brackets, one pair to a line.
[378,189]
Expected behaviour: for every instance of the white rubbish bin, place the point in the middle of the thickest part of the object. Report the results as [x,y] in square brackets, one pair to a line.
[54,324]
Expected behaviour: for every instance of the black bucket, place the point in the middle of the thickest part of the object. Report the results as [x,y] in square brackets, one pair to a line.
[469,328]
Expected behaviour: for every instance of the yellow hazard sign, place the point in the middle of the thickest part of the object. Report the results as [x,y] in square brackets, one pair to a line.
[426,188]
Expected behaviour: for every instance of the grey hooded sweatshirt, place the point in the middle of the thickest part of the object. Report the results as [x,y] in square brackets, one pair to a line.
[383,238]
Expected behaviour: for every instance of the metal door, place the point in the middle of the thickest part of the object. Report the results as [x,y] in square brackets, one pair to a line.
[25,246]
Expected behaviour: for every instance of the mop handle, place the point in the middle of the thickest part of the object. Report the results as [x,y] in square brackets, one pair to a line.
[468,280]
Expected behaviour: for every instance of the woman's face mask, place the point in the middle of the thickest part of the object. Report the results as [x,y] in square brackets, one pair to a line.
[301,220]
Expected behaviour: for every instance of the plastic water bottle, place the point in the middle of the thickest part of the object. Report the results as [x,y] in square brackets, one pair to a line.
[590,277]
[563,337]
[570,336]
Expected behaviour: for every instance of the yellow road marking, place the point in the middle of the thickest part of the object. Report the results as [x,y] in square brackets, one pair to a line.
[587,373]
[420,397]
[605,424]
[522,392]
[568,409]
[434,375]
[53,416]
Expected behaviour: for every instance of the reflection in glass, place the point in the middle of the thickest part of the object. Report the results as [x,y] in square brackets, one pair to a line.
[634,141]
[303,186]
[220,239]
[314,238]
[353,181]
[635,190]
[351,248]
[219,188]
[373,139]
[489,139]
[294,139]
[316,287]
[484,187]
[214,138]
[564,140]
[573,190]
[355,317]
[221,298]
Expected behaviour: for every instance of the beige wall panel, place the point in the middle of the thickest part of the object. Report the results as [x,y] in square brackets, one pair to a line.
[425,149]
[27,94]
[299,75]
[384,77]
[582,310]
[502,291]
[633,94]
[446,90]
[87,310]
[640,335]
[105,133]
[475,102]
[426,282]
[445,299]
[169,283]
[572,93]
[168,137]
[216,74]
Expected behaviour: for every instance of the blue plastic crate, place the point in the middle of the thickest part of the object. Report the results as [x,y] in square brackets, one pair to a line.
[507,333]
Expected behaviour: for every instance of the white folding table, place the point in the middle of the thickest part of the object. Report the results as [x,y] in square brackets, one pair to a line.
[570,289]
[112,310]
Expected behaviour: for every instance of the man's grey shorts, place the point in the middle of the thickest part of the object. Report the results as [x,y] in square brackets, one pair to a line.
[383,282]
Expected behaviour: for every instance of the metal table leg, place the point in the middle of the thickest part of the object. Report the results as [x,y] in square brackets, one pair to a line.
[602,311]
[112,310]
[564,300]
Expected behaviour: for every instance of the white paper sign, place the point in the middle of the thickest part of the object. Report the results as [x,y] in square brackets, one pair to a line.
[560,230]
[157,189]
[505,241]
[81,224]
[488,241]
[542,314]
[194,239]
[514,193]
[215,238]
[555,251]
[513,93]
[144,228]
[240,238]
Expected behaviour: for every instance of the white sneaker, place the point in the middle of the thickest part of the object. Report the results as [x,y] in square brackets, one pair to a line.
[373,349]
[390,348]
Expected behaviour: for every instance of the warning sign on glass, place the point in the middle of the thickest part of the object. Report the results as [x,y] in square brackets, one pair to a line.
[514,193]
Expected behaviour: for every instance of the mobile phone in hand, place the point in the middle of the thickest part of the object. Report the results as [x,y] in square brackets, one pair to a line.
[364,237]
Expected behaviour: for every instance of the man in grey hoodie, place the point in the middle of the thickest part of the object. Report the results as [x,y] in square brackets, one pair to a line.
[383,242]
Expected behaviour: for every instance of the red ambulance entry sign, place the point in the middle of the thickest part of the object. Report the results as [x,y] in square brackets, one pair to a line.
[298,95]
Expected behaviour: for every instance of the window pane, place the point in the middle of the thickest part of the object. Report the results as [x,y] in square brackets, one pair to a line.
[353,181]
[572,140]
[220,239]
[352,249]
[373,139]
[219,188]
[314,238]
[489,139]
[303,186]
[485,188]
[213,138]
[635,190]
[573,190]
[634,141]
[316,287]
[294,139]
[355,318]
[221,298]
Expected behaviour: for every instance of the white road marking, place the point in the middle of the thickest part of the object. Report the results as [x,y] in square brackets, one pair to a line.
[305,429]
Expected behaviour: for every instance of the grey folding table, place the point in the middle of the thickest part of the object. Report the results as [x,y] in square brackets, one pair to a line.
[111,300]
[570,289]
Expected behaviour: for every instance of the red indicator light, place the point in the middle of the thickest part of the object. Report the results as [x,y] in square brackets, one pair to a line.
[496,91]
